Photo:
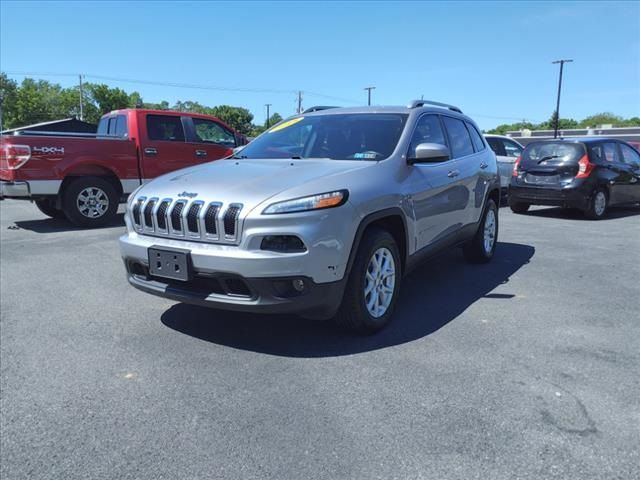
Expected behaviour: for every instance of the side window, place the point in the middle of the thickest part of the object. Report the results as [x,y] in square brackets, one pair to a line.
[629,155]
[512,149]
[428,130]
[476,138]
[597,154]
[458,137]
[208,131]
[165,127]
[611,152]
[497,146]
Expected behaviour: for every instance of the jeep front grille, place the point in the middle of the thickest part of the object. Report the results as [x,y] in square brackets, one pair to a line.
[194,220]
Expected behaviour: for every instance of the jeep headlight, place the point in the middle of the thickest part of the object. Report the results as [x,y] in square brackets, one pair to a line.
[313,202]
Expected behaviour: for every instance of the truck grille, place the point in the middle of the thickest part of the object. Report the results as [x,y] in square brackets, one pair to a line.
[194,220]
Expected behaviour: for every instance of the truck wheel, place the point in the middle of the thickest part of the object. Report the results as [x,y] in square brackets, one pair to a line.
[518,207]
[483,245]
[48,207]
[597,205]
[373,285]
[90,202]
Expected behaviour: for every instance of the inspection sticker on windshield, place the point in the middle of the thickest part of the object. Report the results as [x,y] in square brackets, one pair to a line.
[366,155]
[286,124]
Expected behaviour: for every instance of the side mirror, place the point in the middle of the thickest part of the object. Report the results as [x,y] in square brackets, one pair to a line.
[429,152]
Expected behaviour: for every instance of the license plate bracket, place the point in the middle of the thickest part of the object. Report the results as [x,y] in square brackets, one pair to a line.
[171,263]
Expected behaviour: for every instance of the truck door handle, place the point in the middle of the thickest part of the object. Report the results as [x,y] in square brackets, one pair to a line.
[484,165]
[453,173]
[150,151]
[201,153]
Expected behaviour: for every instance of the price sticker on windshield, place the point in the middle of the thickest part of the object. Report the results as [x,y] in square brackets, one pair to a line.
[286,124]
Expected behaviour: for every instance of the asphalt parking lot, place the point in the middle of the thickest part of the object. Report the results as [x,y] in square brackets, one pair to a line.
[524,368]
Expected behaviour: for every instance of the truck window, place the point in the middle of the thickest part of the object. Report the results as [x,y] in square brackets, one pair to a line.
[165,127]
[121,130]
[208,131]
[113,126]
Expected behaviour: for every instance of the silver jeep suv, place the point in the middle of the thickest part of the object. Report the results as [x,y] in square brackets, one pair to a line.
[320,216]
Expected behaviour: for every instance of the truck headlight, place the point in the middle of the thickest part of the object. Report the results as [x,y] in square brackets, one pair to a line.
[313,202]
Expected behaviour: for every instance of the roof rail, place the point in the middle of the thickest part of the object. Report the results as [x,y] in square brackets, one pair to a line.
[422,103]
[317,108]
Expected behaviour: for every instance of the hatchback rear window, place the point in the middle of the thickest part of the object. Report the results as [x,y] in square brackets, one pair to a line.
[552,152]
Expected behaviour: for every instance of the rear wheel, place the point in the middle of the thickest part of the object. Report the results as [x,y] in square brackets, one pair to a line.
[48,207]
[90,202]
[518,207]
[597,205]
[483,245]
[373,286]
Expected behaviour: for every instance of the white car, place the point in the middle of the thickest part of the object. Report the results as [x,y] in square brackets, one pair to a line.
[506,150]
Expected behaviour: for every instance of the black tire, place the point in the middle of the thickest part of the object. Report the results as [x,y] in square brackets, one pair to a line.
[70,198]
[353,313]
[518,207]
[475,251]
[48,207]
[596,211]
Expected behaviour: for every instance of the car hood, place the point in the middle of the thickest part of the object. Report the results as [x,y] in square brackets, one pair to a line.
[247,181]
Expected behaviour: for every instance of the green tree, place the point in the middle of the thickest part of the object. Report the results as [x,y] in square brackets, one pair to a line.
[106,98]
[602,119]
[236,117]
[8,98]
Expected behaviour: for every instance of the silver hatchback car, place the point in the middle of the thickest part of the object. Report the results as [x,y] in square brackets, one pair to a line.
[320,216]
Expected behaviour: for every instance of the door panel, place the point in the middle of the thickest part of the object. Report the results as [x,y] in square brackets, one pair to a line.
[164,149]
[439,199]
[631,159]
[212,140]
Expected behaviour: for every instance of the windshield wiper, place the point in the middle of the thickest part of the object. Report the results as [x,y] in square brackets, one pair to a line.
[548,157]
[239,157]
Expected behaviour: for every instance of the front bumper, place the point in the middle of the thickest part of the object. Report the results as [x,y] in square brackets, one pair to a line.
[235,293]
[570,196]
[14,189]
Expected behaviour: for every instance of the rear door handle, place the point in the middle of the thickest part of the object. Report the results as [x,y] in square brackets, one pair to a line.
[201,153]
[150,151]
[484,165]
[453,173]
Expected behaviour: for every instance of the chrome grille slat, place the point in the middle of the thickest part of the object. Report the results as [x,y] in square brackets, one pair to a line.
[196,220]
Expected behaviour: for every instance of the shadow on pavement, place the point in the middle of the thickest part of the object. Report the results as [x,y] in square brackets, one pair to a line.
[431,296]
[54,225]
[574,214]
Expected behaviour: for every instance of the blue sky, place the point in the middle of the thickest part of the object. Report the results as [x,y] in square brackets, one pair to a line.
[493,59]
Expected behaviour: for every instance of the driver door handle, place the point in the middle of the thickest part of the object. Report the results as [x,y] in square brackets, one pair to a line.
[150,151]
[453,173]
[201,153]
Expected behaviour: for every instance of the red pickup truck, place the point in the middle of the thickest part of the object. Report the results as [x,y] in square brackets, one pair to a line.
[84,177]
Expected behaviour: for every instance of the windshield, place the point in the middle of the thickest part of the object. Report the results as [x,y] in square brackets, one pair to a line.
[542,153]
[349,136]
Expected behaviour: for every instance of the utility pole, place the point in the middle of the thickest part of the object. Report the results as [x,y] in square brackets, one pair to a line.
[81,100]
[557,122]
[268,117]
[299,101]
[369,94]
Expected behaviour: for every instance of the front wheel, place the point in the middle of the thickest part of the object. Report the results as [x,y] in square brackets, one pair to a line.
[598,205]
[90,202]
[48,207]
[373,285]
[483,245]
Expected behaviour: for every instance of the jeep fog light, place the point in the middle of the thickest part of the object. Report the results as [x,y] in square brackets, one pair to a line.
[298,285]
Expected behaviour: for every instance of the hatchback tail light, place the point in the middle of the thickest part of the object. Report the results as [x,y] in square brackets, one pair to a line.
[585,167]
[15,155]
[516,164]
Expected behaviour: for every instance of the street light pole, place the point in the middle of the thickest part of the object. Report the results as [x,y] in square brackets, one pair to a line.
[268,117]
[555,127]
[368,89]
